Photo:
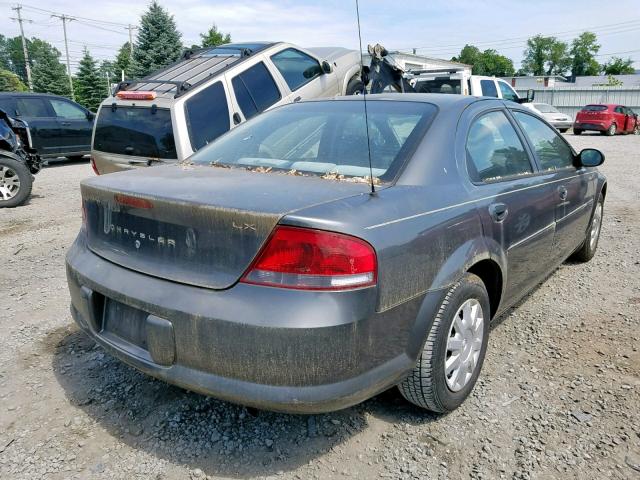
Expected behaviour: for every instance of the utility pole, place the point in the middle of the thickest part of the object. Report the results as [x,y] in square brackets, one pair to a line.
[66,19]
[131,28]
[25,51]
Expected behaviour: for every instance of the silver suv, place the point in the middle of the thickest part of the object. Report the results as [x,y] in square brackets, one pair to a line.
[172,113]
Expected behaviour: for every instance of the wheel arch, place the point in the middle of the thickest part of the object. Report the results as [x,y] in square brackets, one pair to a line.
[491,275]
[353,72]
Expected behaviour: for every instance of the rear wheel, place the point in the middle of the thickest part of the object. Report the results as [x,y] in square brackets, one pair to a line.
[452,356]
[611,131]
[577,131]
[588,248]
[355,87]
[15,182]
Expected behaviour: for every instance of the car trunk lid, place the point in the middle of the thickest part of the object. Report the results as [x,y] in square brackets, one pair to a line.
[198,225]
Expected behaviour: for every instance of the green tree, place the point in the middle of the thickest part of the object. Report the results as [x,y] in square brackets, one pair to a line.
[489,62]
[48,74]
[618,66]
[89,87]
[123,62]
[10,82]
[546,56]
[158,42]
[5,60]
[584,49]
[213,37]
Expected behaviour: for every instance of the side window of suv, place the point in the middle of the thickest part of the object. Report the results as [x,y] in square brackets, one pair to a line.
[488,88]
[207,115]
[494,150]
[507,92]
[296,67]
[255,90]
[552,151]
[33,107]
[67,110]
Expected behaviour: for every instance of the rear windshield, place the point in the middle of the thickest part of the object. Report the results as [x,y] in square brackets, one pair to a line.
[439,85]
[594,108]
[325,138]
[137,131]
[545,108]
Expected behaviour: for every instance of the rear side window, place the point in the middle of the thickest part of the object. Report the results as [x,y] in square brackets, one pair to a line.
[296,67]
[594,108]
[494,150]
[507,92]
[32,107]
[488,88]
[552,151]
[619,110]
[439,85]
[8,105]
[67,110]
[142,132]
[255,90]
[207,115]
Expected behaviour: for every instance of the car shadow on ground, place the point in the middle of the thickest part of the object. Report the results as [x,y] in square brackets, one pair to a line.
[185,428]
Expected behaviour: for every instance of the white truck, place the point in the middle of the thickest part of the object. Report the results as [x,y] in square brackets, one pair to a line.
[383,74]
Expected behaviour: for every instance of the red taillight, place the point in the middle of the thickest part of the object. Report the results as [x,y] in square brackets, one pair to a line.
[309,259]
[134,202]
[136,95]
[93,165]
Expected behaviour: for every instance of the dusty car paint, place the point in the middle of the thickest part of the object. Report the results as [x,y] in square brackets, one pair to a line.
[305,351]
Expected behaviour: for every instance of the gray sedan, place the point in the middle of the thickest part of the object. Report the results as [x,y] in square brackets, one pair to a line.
[309,259]
[552,115]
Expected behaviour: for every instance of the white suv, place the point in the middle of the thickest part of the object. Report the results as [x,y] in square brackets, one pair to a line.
[172,113]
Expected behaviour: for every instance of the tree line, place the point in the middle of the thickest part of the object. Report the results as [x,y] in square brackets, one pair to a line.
[547,56]
[158,43]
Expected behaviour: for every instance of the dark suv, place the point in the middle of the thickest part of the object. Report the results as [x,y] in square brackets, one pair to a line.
[58,126]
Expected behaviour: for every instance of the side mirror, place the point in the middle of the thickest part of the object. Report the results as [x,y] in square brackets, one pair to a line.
[326,67]
[590,157]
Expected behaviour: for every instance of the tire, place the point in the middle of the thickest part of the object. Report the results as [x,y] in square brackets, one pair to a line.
[611,131]
[563,130]
[427,385]
[15,182]
[577,132]
[588,248]
[355,86]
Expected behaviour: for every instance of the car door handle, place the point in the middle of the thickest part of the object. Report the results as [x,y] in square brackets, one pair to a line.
[498,211]
[297,99]
[562,191]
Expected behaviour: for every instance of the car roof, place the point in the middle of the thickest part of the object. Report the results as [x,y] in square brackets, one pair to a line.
[439,99]
[195,67]
[35,94]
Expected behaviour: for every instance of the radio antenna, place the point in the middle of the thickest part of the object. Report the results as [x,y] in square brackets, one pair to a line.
[364,99]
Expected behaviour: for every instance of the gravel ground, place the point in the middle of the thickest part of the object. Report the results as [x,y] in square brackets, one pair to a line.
[559,396]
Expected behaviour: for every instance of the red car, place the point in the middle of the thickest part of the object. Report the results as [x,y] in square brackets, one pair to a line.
[607,119]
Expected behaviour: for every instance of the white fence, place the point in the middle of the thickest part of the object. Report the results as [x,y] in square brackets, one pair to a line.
[571,99]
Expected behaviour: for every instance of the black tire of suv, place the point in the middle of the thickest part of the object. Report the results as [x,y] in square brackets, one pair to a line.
[586,251]
[611,131]
[577,132]
[26,182]
[355,86]
[426,385]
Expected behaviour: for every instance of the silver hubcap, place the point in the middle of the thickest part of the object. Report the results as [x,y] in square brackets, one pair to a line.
[464,344]
[595,227]
[9,183]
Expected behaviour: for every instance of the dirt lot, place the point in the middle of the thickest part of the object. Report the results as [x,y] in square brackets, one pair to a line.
[559,396]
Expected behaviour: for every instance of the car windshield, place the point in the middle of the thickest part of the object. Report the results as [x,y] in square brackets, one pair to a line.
[325,138]
[594,108]
[138,131]
[545,108]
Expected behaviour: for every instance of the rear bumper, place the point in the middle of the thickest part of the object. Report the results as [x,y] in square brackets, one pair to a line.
[596,125]
[275,349]
[562,124]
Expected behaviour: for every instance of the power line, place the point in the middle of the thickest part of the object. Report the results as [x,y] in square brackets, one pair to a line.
[105,22]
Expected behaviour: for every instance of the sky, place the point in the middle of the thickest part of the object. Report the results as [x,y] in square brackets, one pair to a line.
[436,28]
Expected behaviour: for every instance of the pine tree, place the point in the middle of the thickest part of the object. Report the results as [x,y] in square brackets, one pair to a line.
[123,62]
[49,75]
[158,42]
[89,87]
[214,37]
